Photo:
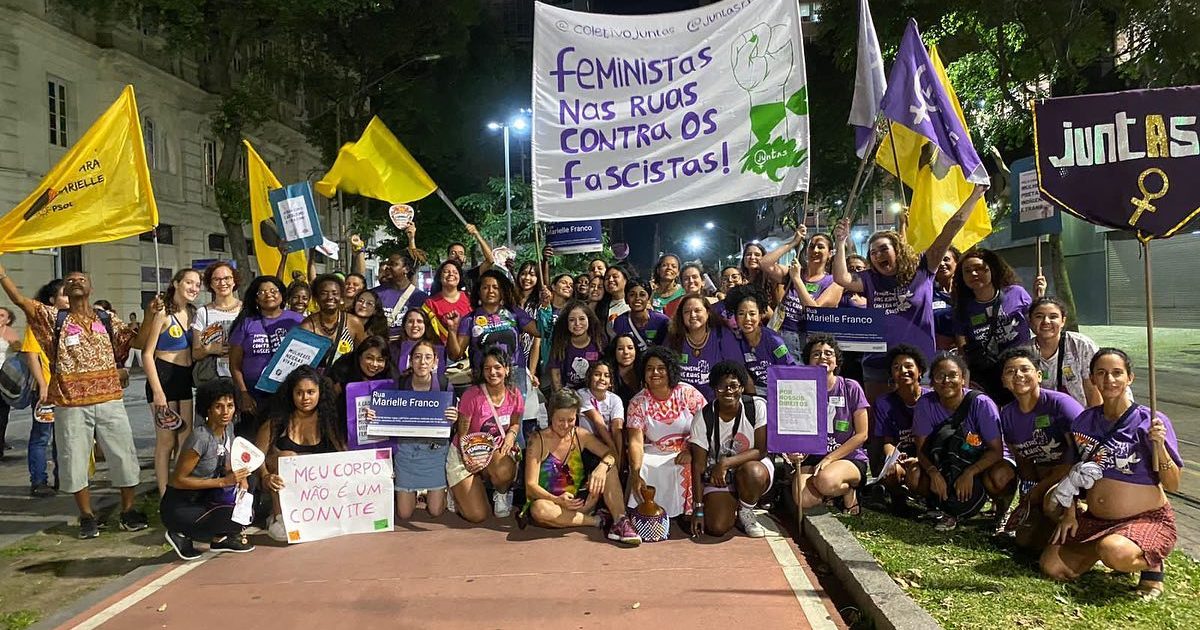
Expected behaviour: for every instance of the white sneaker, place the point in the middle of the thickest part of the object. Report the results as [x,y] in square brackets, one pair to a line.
[502,504]
[276,530]
[749,523]
[451,506]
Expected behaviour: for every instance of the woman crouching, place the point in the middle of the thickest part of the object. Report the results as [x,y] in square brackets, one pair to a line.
[559,496]
[1127,458]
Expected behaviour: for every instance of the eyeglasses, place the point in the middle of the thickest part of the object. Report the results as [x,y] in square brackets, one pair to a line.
[222,280]
[654,369]
[267,292]
[817,354]
[730,387]
[947,377]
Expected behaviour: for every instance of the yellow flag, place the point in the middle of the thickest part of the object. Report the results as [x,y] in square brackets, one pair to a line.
[379,167]
[261,181]
[934,200]
[98,192]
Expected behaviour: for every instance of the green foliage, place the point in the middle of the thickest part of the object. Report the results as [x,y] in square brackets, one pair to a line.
[19,620]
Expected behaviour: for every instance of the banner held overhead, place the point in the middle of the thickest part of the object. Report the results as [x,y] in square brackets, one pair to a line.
[710,106]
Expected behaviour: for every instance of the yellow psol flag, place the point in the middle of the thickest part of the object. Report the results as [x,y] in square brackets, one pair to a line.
[98,192]
[934,200]
[379,167]
[261,181]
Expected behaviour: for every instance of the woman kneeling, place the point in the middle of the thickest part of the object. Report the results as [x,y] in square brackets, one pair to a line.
[554,476]
[730,467]
[1127,458]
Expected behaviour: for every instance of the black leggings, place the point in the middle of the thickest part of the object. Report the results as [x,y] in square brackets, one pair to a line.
[188,513]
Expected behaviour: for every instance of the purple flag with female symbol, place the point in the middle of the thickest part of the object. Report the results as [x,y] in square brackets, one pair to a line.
[916,99]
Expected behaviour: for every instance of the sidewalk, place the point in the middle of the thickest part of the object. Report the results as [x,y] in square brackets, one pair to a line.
[446,575]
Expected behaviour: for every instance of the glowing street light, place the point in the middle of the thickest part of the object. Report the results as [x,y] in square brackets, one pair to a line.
[695,244]
[519,123]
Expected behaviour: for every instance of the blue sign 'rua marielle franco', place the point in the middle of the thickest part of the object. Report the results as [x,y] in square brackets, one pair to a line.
[575,237]
[410,414]
[1127,160]
[638,115]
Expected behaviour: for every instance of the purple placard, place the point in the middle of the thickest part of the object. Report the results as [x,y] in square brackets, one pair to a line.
[805,403]
[406,350]
[358,399]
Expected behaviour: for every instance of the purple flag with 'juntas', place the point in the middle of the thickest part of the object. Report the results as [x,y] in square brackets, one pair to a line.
[916,99]
[1127,160]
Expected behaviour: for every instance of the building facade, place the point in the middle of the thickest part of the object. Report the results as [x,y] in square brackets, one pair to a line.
[58,72]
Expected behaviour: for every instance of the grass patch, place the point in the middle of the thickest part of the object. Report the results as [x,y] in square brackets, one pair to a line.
[965,581]
[18,619]
[20,549]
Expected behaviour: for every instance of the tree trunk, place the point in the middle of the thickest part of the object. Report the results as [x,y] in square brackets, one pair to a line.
[1062,280]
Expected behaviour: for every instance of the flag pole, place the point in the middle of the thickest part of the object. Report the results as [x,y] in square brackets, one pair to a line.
[896,161]
[453,208]
[1039,255]
[1153,383]
[157,265]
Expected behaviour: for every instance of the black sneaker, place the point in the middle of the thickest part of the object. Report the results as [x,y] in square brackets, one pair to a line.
[133,521]
[41,491]
[182,545]
[236,544]
[89,527]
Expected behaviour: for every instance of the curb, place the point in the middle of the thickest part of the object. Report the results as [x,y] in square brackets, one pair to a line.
[873,590]
[59,617]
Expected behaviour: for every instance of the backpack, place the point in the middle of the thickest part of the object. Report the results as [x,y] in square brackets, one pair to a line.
[951,454]
[713,431]
[61,320]
[16,382]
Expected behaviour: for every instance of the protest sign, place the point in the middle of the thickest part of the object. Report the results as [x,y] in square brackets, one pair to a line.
[403,413]
[574,237]
[797,409]
[1032,215]
[855,329]
[296,216]
[358,400]
[334,494]
[299,347]
[637,115]
[1126,160]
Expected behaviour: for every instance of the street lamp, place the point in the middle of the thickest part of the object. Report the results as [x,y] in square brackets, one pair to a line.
[713,226]
[519,123]
[694,244]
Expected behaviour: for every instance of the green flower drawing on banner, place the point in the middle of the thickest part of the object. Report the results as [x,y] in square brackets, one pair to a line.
[762,65]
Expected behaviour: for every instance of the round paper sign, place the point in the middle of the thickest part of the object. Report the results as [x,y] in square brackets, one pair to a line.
[401,215]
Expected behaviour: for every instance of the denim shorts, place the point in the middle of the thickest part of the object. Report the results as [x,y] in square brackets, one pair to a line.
[420,464]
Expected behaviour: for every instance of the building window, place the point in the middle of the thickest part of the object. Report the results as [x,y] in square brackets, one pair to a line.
[148,138]
[210,163]
[71,259]
[58,112]
[166,234]
[216,242]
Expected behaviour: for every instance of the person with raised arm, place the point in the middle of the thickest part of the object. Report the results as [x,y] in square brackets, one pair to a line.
[809,285]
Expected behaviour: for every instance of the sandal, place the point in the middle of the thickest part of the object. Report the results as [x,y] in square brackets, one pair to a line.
[1150,586]
[856,508]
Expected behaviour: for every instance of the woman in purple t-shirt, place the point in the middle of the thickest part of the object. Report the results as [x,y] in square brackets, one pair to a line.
[254,337]
[496,321]
[901,284]
[991,315]
[753,344]
[1132,458]
[894,422]
[808,286]
[1037,431]
[575,345]
[982,433]
[696,340]
[840,470]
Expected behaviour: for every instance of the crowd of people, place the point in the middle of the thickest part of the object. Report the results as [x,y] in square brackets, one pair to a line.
[593,396]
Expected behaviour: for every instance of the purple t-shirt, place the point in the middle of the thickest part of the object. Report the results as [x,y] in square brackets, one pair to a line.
[793,308]
[894,419]
[943,313]
[259,338]
[982,423]
[723,316]
[845,398]
[500,328]
[574,366]
[1043,435]
[694,365]
[394,310]
[771,350]
[1128,455]
[654,334]
[908,310]
[997,325]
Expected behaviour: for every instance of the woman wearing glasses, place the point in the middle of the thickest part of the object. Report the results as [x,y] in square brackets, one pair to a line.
[253,339]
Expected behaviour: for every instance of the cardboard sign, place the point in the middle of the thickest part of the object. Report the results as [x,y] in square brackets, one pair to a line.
[299,347]
[1032,214]
[797,409]
[296,216]
[403,413]
[334,494]
[358,400]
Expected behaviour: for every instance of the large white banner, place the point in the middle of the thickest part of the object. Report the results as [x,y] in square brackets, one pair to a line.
[636,115]
[334,494]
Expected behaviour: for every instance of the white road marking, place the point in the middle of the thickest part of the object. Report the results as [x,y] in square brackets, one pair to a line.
[142,593]
[810,602]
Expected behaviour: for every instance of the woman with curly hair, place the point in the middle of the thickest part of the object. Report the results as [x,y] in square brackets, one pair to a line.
[755,345]
[809,285]
[990,315]
[667,290]
[496,320]
[695,337]
[448,301]
[254,337]
[304,421]
[900,282]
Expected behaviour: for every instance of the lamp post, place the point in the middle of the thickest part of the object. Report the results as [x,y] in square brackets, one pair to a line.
[518,123]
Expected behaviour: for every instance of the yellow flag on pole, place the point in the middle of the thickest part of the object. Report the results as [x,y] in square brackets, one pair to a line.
[934,200]
[262,181]
[379,167]
[99,191]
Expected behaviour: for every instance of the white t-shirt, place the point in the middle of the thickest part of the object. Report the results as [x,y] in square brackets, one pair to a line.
[730,444]
[1078,350]
[610,408]
[211,325]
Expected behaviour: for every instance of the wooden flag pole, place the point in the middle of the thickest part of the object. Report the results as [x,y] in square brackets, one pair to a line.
[1039,255]
[1153,384]
[157,265]
[896,161]
[453,208]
